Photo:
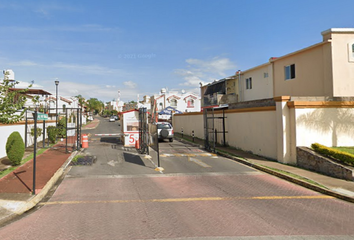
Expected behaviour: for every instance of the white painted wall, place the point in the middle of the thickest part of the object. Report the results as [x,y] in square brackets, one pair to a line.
[5,131]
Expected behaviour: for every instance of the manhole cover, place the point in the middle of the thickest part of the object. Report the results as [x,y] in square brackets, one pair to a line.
[83,161]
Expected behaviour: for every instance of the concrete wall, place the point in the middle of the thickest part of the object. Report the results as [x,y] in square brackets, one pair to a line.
[253,130]
[276,131]
[7,129]
[189,122]
[248,129]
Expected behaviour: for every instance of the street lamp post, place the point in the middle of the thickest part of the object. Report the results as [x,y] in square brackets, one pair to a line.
[56,105]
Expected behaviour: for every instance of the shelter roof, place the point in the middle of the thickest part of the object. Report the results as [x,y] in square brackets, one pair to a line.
[31,91]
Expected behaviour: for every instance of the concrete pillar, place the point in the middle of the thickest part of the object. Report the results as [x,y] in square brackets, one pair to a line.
[283,130]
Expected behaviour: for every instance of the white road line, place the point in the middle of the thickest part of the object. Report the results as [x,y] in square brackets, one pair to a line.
[200,163]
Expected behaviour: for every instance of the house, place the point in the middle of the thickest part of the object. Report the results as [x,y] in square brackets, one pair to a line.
[294,100]
[182,101]
[325,69]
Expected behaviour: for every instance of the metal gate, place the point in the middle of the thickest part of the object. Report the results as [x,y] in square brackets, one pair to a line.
[68,123]
[214,128]
[143,132]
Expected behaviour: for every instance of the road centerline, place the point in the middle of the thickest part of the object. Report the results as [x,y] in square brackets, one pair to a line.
[188,199]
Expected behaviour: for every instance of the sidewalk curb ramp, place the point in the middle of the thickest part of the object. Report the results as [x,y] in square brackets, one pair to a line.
[16,208]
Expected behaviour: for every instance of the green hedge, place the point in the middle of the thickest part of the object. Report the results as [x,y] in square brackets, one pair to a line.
[52,133]
[330,152]
[15,148]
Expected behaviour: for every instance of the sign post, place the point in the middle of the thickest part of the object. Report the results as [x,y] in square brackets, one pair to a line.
[35,116]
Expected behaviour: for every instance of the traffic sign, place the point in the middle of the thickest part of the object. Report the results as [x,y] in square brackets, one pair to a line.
[42,116]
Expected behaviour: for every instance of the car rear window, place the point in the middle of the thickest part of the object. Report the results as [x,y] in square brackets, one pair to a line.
[163,126]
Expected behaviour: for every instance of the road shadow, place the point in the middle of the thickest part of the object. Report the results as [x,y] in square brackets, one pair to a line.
[135,159]
[17,175]
[115,140]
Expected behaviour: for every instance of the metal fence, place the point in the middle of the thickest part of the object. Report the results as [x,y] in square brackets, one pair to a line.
[68,124]
[214,128]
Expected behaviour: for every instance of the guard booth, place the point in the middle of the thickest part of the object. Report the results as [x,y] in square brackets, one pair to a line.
[130,127]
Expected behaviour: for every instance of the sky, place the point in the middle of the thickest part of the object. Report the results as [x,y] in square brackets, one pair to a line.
[97,48]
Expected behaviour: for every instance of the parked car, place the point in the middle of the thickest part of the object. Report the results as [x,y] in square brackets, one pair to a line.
[165,131]
[116,117]
[112,119]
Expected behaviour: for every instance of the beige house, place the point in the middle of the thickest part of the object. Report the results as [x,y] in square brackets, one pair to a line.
[294,100]
[325,69]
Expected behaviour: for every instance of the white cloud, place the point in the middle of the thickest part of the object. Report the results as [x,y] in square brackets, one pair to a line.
[204,70]
[130,84]
[22,84]
[93,69]
[101,92]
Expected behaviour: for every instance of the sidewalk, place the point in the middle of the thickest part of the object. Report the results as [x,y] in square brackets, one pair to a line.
[16,188]
[335,187]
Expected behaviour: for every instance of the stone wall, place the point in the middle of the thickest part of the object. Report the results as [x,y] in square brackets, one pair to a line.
[310,160]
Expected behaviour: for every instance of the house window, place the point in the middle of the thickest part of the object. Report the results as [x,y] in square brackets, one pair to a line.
[160,106]
[290,72]
[265,75]
[190,103]
[173,103]
[351,52]
[249,83]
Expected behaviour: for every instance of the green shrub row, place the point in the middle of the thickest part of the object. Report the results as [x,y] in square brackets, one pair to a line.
[339,155]
[52,133]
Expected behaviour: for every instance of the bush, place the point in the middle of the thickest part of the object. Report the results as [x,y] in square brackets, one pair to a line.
[52,133]
[344,157]
[39,132]
[15,148]
[61,127]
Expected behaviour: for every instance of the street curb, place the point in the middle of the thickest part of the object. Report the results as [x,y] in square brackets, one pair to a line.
[33,201]
[278,174]
[92,127]
[290,179]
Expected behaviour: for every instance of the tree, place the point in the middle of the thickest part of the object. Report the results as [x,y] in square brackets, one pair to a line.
[81,100]
[12,102]
[94,105]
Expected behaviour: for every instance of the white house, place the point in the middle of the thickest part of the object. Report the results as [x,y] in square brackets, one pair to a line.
[182,101]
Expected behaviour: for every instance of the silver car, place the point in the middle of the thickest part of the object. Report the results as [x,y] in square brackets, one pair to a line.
[165,131]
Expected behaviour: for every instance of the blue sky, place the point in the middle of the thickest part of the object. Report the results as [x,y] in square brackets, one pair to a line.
[95,48]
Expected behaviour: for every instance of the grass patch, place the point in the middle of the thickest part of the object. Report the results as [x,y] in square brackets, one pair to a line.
[28,158]
[345,149]
[295,176]
[76,158]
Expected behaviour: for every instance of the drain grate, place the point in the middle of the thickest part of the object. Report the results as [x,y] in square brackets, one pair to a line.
[84,161]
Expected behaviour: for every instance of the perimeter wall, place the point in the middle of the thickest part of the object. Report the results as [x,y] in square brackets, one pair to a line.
[274,132]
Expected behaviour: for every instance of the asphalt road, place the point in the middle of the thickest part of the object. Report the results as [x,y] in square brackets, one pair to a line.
[197,196]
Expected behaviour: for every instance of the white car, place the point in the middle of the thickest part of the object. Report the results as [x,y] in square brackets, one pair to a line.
[112,119]
[165,131]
